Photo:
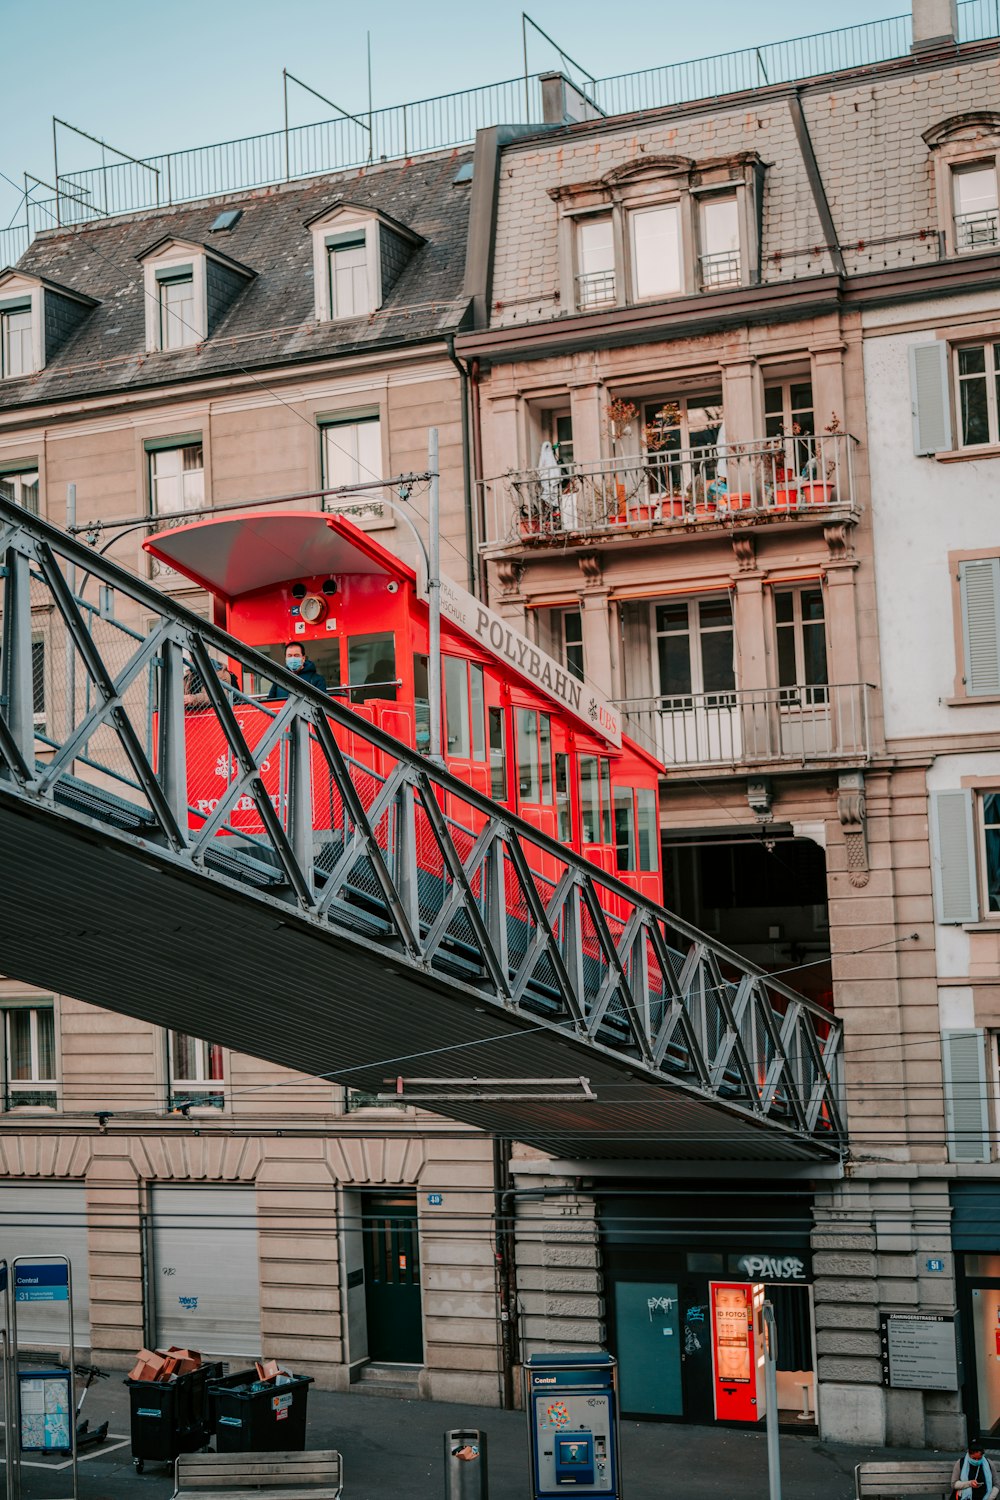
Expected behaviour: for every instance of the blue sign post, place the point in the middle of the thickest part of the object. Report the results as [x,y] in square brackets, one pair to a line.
[43,1398]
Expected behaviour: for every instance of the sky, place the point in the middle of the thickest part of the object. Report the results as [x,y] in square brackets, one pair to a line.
[150,78]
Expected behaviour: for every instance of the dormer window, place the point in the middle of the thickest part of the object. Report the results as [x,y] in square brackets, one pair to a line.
[977,220]
[659,227]
[720,241]
[347,258]
[36,318]
[358,256]
[16,355]
[177,313]
[188,289]
[657,265]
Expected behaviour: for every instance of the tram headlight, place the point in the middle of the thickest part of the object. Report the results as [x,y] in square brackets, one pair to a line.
[312,609]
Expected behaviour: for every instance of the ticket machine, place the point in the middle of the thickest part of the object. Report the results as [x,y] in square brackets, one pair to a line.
[572,1406]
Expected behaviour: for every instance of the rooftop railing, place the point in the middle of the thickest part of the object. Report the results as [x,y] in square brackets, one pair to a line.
[453,119]
[678,487]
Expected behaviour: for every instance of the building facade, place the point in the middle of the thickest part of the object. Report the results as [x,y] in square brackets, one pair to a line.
[706,377]
[701,483]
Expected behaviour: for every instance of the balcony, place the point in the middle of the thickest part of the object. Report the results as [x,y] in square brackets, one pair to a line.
[978,231]
[776,479]
[805,726]
[595,289]
[721,269]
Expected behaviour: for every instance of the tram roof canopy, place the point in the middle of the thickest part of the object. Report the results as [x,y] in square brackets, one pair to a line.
[236,555]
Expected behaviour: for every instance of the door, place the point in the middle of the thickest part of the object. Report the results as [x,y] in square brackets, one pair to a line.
[647,1319]
[699,719]
[37,1218]
[392,1279]
[986,1334]
[697,1352]
[204,1274]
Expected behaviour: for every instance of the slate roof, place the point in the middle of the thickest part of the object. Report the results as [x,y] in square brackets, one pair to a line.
[273,321]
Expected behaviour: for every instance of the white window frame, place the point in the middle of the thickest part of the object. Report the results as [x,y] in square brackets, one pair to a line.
[693,634]
[817,692]
[33,1006]
[640,210]
[173,260]
[606,283]
[188,503]
[14,477]
[356,466]
[202,1083]
[17,288]
[24,336]
[730,269]
[960,169]
[986,912]
[991,360]
[341,222]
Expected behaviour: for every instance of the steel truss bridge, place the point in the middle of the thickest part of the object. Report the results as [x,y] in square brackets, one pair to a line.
[347,909]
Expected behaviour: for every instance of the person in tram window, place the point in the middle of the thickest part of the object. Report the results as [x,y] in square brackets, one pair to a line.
[196,694]
[298,662]
[972,1476]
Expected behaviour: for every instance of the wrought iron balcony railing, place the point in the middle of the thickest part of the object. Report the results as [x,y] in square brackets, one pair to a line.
[781,476]
[810,724]
[721,269]
[978,231]
[595,289]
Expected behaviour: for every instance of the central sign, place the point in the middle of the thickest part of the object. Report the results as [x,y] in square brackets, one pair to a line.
[504,641]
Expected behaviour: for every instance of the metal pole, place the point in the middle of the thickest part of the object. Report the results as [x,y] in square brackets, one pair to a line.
[434,600]
[371,144]
[284,81]
[70,648]
[771,1397]
[55,163]
[524,48]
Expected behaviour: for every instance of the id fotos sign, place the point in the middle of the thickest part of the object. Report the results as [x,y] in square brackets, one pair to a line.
[506,643]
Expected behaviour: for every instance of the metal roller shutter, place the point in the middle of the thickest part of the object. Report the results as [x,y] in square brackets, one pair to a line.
[39,1218]
[205,1269]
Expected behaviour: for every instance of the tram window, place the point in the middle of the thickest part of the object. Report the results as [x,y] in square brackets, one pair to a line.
[477,711]
[545,740]
[371,662]
[498,757]
[590,800]
[324,654]
[456,697]
[562,800]
[606,799]
[527,755]
[624,828]
[648,835]
[421,703]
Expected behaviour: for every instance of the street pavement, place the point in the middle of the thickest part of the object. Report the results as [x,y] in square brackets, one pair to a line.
[393,1450]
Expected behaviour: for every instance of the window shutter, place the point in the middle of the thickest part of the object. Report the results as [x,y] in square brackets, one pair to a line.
[963,1056]
[929,395]
[979,582]
[953,854]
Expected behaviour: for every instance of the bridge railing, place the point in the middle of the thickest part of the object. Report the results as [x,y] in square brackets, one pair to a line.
[119,708]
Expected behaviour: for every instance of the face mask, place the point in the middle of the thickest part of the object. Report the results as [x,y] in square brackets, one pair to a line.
[295,663]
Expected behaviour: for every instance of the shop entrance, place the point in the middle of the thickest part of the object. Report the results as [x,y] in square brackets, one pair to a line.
[392,1279]
[981,1317]
[661,1250]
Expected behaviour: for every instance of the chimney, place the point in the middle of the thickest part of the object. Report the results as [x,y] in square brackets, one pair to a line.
[563,103]
[935,24]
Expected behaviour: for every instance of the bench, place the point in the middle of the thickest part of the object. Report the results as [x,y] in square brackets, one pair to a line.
[290,1476]
[906,1477]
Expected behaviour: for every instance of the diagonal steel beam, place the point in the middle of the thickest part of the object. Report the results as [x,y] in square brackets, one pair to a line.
[607,942]
[92,660]
[536,906]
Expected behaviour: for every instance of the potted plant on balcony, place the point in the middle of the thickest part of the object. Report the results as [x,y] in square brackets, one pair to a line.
[621,414]
[820,492]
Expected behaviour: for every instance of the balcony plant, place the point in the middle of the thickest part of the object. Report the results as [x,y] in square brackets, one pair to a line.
[821,492]
[621,413]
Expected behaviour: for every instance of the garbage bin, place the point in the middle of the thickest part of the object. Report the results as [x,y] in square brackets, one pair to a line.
[172,1417]
[254,1416]
[465,1476]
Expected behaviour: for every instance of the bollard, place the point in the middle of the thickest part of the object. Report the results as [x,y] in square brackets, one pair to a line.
[465,1476]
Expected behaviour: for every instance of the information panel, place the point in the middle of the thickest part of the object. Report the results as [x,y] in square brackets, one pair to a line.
[46,1411]
[919,1352]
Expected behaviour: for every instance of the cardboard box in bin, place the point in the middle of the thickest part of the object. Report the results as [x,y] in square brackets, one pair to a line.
[163,1364]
